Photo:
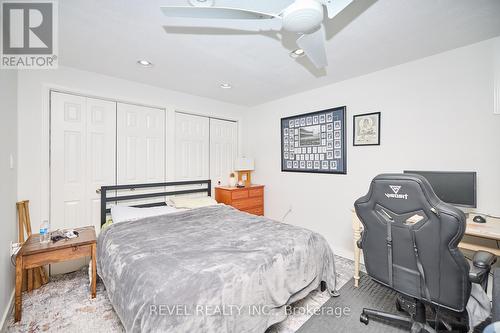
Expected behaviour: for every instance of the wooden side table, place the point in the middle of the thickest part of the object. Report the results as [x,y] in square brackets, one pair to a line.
[247,199]
[33,254]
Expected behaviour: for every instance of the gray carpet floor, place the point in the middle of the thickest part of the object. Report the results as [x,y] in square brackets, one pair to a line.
[64,305]
[342,313]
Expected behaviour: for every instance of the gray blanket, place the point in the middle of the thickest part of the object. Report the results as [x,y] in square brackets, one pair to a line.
[211,269]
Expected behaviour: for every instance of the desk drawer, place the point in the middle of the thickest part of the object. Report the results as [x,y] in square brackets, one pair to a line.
[45,258]
[236,195]
[256,192]
[247,203]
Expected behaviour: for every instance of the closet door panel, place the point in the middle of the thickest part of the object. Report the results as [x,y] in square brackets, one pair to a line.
[67,158]
[140,146]
[191,147]
[82,159]
[223,149]
[101,153]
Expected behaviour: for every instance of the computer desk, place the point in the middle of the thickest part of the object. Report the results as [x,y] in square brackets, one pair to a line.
[475,232]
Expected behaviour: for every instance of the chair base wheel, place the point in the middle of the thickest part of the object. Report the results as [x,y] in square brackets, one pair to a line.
[398,306]
[364,319]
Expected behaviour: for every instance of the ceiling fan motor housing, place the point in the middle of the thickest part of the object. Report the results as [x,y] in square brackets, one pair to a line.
[201,3]
[303,16]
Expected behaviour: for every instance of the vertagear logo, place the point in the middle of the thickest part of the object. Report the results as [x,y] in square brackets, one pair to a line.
[396,195]
[395,188]
[29,34]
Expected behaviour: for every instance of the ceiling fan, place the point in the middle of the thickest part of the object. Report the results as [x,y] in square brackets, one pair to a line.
[304,17]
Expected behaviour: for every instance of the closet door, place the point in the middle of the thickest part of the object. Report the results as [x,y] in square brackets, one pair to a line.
[191,147]
[101,154]
[140,145]
[67,161]
[223,150]
[82,159]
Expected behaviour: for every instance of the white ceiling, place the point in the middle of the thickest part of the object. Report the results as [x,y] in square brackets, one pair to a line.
[109,36]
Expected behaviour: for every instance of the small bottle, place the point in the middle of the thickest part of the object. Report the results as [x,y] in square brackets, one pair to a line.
[44,232]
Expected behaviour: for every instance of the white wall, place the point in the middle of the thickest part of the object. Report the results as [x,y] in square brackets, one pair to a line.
[33,175]
[8,190]
[437,114]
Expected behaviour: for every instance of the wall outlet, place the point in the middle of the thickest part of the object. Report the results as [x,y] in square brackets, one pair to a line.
[14,248]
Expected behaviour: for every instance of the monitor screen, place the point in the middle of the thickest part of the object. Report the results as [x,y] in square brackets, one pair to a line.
[456,188]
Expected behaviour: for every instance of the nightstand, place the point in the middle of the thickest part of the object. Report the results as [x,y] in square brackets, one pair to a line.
[248,199]
[33,254]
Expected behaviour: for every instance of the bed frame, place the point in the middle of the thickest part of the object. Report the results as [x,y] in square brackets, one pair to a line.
[105,189]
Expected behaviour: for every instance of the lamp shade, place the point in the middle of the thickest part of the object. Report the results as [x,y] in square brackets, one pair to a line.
[243,164]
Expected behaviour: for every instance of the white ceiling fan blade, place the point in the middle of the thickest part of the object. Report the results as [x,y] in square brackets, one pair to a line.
[313,45]
[333,7]
[221,13]
[274,24]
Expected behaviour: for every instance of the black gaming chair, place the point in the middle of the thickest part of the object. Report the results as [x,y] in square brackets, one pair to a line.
[409,244]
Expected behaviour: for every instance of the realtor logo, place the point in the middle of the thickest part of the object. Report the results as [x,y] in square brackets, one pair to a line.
[395,189]
[395,195]
[29,34]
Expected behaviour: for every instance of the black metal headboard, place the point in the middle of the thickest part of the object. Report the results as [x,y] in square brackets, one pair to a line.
[105,189]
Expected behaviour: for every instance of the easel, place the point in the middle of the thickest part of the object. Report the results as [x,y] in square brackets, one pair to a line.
[36,276]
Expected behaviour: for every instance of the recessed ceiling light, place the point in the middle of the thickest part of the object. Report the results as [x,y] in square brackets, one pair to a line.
[226,86]
[145,63]
[297,53]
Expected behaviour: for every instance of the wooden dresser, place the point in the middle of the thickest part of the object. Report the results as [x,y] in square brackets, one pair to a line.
[247,199]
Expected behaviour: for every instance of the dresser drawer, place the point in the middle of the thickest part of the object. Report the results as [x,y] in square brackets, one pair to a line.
[243,204]
[255,211]
[243,194]
[256,192]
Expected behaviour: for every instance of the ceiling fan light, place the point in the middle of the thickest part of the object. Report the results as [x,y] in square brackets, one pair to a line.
[297,53]
[145,63]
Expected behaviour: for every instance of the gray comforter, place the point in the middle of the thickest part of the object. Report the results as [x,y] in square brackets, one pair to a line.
[211,269]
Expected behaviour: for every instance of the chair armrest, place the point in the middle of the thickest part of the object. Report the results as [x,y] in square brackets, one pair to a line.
[481,266]
[478,275]
[483,260]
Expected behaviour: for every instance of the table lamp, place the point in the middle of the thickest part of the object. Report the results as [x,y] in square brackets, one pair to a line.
[244,166]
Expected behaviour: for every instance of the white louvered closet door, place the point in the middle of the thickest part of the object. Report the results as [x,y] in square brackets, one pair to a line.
[223,150]
[191,147]
[140,146]
[82,158]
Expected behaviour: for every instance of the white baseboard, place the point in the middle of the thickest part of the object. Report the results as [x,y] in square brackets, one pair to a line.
[6,314]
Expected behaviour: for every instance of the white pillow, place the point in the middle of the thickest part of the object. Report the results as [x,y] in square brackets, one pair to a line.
[124,213]
[191,202]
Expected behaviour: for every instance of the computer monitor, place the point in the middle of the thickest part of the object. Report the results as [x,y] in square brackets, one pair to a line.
[456,188]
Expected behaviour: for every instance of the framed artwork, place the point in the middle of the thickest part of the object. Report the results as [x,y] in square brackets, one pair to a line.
[315,142]
[366,129]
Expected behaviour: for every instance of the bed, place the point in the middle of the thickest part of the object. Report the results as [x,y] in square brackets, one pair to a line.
[208,269]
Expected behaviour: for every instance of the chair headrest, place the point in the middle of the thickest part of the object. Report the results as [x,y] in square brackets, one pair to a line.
[404,192]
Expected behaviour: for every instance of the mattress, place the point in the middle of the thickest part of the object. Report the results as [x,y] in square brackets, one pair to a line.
[210,269]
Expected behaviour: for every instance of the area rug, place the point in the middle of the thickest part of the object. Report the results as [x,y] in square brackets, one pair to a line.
[64,305]
[341,314]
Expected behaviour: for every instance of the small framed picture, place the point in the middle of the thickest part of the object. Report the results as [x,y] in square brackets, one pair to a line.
[366,131]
